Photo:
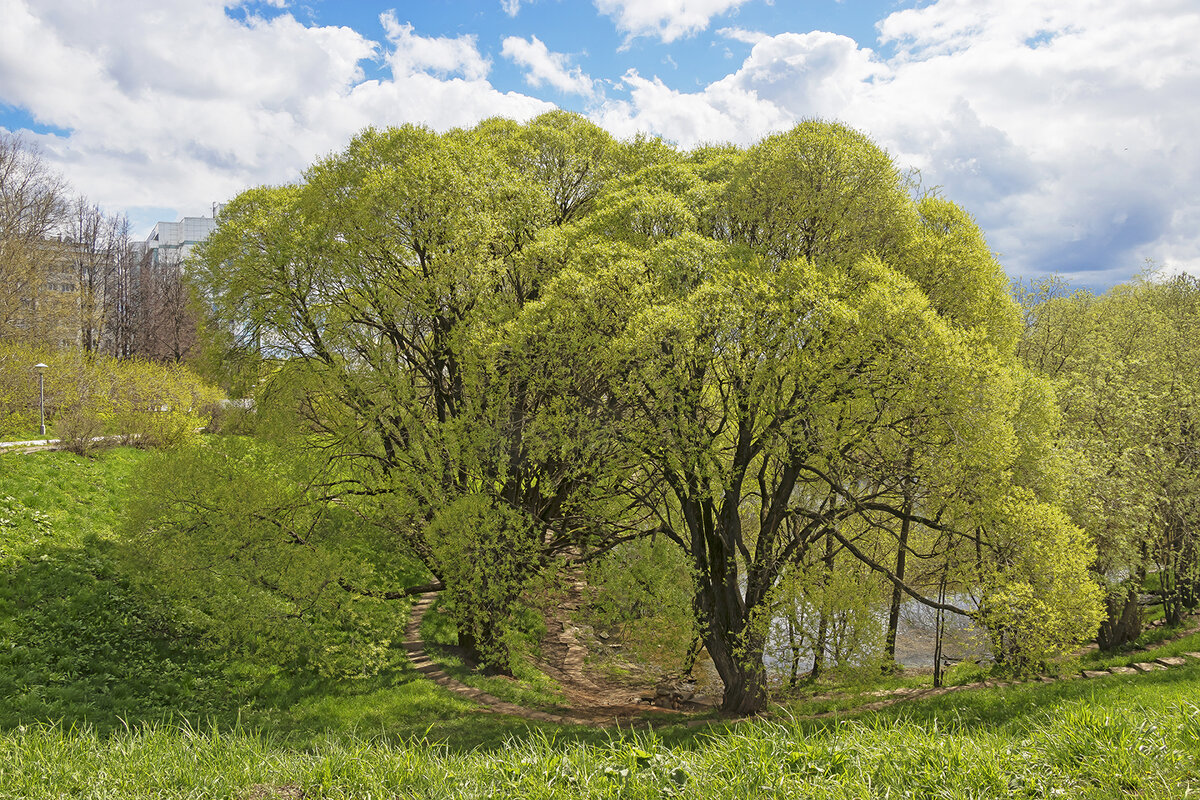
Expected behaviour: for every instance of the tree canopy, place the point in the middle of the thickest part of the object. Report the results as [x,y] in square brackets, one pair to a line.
[524,344]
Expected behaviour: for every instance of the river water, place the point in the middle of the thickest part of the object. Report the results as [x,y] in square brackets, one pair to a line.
[915,642]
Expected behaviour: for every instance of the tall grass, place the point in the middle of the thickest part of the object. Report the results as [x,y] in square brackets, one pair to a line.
[1080,751]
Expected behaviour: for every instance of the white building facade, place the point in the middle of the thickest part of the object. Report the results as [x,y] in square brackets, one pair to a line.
[172,242]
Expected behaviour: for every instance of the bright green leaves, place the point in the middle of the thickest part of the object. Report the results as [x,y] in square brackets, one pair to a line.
[1041,599]
[239,532]
[950,261]
[821,192]
[483,551]
[525,341]
[1126,367]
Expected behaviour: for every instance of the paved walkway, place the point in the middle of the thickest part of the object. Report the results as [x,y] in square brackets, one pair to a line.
[38,445]
[29,446]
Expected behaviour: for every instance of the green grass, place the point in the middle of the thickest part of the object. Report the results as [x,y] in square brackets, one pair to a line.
[26,434]
[79,640]
[1050,741]
[526,687]
[106,693]
[85,640]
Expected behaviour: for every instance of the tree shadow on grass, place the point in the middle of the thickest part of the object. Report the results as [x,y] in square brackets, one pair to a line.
[80,644]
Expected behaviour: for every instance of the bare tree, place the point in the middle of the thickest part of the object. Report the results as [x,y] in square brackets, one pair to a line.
[32,207]
[96,241]
[120,307]
[166,319]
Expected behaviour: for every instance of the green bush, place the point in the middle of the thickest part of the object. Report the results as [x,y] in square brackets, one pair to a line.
[229,528]
[643,592]
[144,403]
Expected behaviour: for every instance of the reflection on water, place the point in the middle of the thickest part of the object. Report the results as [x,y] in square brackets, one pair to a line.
[915,643]
[916,632]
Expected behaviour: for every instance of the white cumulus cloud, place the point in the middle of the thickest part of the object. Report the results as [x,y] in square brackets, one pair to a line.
[667,19]
[157,119]
[1068,131]
[542,66]
[742,35]
[441,55]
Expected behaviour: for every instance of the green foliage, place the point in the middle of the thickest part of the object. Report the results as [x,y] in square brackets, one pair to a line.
[644,595]
[80,637]
[834,610]
[529,342]
[240,534]
[146,403]
[1042,600]
[1126,368]
[474,531]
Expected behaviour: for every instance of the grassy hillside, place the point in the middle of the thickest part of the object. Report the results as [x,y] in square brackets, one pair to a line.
[106,692]
[86,639]
[1138,738]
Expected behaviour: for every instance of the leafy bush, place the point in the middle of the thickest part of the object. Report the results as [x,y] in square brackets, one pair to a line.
[1045,601]
[230,528]
[643,593]
[474,531]
[145,403]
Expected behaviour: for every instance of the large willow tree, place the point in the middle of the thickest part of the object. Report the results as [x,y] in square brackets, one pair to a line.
[525,343]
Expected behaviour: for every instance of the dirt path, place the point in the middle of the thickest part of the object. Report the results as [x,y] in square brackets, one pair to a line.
[598,704]
[591,704]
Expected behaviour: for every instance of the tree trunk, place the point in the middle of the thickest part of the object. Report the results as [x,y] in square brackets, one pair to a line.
[740,665]
[794,648]
[487,651]
[823,625]
[897,594]
[1123,621]
[939,633]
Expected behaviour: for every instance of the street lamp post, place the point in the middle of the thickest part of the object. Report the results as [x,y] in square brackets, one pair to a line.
[41,369]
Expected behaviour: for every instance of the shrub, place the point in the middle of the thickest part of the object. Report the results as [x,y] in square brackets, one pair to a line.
[143,402]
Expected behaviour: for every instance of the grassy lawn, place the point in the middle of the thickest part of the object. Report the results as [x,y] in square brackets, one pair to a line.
[26,435]
[1131,738]
[85,641]
[105,692]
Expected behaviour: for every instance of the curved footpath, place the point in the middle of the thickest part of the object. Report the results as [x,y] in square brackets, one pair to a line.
[414,646]
[628,715]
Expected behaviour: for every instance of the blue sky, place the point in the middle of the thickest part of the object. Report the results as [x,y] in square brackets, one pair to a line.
[1066,128]
[576,28]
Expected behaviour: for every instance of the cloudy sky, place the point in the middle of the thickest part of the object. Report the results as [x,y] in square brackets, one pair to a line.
[1069,128]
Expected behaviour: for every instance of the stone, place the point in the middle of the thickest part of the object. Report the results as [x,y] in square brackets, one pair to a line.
[1147,666]
[1095,673]
[1191,654]
[1171,661]
[1123,671]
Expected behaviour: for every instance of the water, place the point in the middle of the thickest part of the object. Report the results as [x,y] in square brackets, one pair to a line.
[915,642]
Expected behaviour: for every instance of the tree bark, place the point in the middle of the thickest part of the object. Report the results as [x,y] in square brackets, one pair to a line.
[1123,619]
[823,626]
[897,593]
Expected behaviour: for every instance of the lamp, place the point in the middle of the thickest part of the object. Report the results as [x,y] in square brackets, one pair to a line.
[41,370]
